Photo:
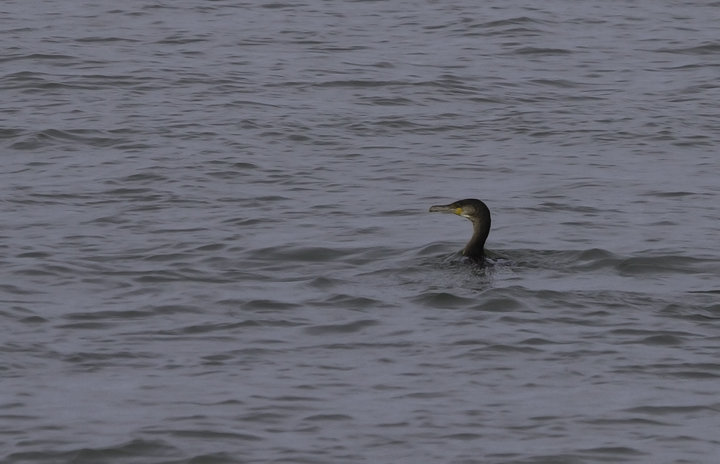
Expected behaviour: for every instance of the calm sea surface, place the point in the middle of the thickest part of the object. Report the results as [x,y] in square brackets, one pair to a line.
[216,247]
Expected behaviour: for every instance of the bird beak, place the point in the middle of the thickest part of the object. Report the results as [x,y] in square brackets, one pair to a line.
[446,209]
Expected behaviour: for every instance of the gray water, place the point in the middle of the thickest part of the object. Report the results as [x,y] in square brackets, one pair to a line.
[216,247]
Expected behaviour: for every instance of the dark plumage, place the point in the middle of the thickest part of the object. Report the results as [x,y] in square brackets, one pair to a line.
[479,215]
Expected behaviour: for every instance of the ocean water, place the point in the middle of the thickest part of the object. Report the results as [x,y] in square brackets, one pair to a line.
[216,247]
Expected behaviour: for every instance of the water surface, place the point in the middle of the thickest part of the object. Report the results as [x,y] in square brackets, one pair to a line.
[216,244]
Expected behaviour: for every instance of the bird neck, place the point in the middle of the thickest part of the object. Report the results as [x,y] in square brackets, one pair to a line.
[475,249]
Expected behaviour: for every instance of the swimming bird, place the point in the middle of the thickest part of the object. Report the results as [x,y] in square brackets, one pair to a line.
[479,215]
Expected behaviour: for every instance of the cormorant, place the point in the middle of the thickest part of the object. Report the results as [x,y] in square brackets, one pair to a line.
[479,215]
